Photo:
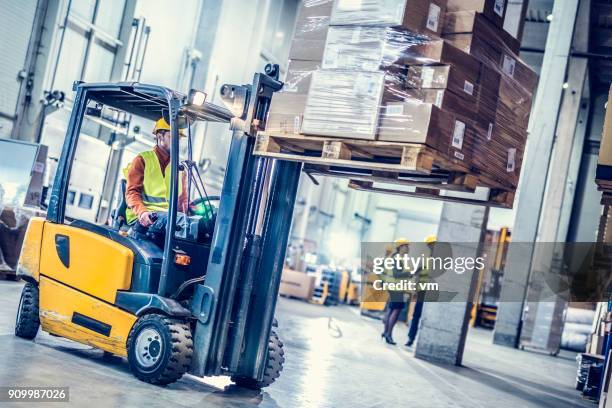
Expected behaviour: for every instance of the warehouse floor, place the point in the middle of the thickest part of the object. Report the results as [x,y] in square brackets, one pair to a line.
[334,358]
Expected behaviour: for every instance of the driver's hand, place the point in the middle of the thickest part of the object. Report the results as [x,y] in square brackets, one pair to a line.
[145,219]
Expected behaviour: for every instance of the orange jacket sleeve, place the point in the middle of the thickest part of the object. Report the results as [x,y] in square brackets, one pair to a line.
[182,200]
[135,179]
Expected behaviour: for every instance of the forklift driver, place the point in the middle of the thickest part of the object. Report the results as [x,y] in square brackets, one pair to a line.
[148,186]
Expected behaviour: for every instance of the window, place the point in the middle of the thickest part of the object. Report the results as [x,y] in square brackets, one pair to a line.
[85,201]
[103,57]
[70,61]
[91,35]
[279,31]
[109,15]
[71,196]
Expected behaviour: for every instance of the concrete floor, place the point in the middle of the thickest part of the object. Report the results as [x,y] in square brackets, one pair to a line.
[334,358]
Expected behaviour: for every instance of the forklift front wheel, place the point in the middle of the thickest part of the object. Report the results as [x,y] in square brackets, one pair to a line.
[274,366]
[159,349]
[27,322]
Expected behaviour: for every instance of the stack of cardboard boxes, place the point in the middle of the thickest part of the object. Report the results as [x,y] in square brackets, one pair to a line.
[437,72]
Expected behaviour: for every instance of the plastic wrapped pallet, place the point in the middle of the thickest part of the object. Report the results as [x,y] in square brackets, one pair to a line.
[381,50]
[426,16]
[311,30]
[494,10]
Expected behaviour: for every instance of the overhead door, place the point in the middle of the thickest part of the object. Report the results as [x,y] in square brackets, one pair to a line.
[17,19]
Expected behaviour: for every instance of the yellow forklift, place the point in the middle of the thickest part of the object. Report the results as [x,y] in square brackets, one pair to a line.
[203,300]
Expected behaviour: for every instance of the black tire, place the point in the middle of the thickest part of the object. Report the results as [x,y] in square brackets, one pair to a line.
[166,355]
[27,321]
[276,359]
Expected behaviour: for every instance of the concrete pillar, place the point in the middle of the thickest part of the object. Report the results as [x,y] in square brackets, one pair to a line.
[535,168]
[444,325]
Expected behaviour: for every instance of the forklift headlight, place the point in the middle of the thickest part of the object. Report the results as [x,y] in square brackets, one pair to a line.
[196,97]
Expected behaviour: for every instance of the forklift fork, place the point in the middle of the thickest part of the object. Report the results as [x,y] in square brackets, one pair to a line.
[235,304]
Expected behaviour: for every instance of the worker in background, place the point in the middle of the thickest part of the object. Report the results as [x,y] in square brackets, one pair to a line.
[422,277]
[396,298]
[148,183]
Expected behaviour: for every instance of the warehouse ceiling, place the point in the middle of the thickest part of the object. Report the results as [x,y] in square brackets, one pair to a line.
[600,41]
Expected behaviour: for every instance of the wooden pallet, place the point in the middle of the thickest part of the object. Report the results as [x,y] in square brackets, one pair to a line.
[363,154]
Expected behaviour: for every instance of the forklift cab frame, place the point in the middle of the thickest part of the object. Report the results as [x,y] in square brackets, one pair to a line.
[223,306]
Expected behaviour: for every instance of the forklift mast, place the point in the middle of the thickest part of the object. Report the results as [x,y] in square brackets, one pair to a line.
[234,306]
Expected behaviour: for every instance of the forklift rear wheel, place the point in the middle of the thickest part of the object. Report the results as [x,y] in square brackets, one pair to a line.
[27,322]
[159,349]
[276,359]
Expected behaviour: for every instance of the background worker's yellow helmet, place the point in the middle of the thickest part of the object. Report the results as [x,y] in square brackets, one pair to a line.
[400,242]
[430,239]
[161,124]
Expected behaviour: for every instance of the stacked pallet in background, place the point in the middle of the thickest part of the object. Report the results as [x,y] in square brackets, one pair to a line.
[380,71]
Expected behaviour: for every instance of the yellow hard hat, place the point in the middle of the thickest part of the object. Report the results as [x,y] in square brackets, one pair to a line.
[430,239]
[161,124]
[401,241]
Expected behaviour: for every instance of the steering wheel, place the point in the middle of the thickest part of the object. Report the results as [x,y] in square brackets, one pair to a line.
[203,206]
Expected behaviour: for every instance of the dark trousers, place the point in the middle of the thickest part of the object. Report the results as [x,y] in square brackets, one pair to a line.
[416,316]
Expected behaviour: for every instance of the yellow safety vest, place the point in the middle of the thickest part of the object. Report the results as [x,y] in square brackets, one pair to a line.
[155,186]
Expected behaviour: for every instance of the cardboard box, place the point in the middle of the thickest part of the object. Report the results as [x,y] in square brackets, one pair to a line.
[311,29]
[359,48]
[372,48]
[424,16]
[412,121]
[299,76]
[486,45]
[287,109]
[500,139]
[344,104]
[286,113]
[471,22]
[440,52]
[604,163]
[296,284]
[494,10]
[464,106]
[449,77]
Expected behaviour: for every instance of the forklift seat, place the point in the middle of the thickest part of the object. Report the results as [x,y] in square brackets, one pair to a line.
[118,214]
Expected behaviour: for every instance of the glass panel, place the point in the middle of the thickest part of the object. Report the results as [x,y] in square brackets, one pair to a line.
[99,63]
[16,161]
[86,201]
[70,61]
[70,197]
[279,28]
[83,8]
[109,15]
[271,37]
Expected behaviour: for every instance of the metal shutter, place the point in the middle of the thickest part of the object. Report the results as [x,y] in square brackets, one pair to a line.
[16,29]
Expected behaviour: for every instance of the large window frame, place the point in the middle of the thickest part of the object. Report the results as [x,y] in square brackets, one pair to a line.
[95,36]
